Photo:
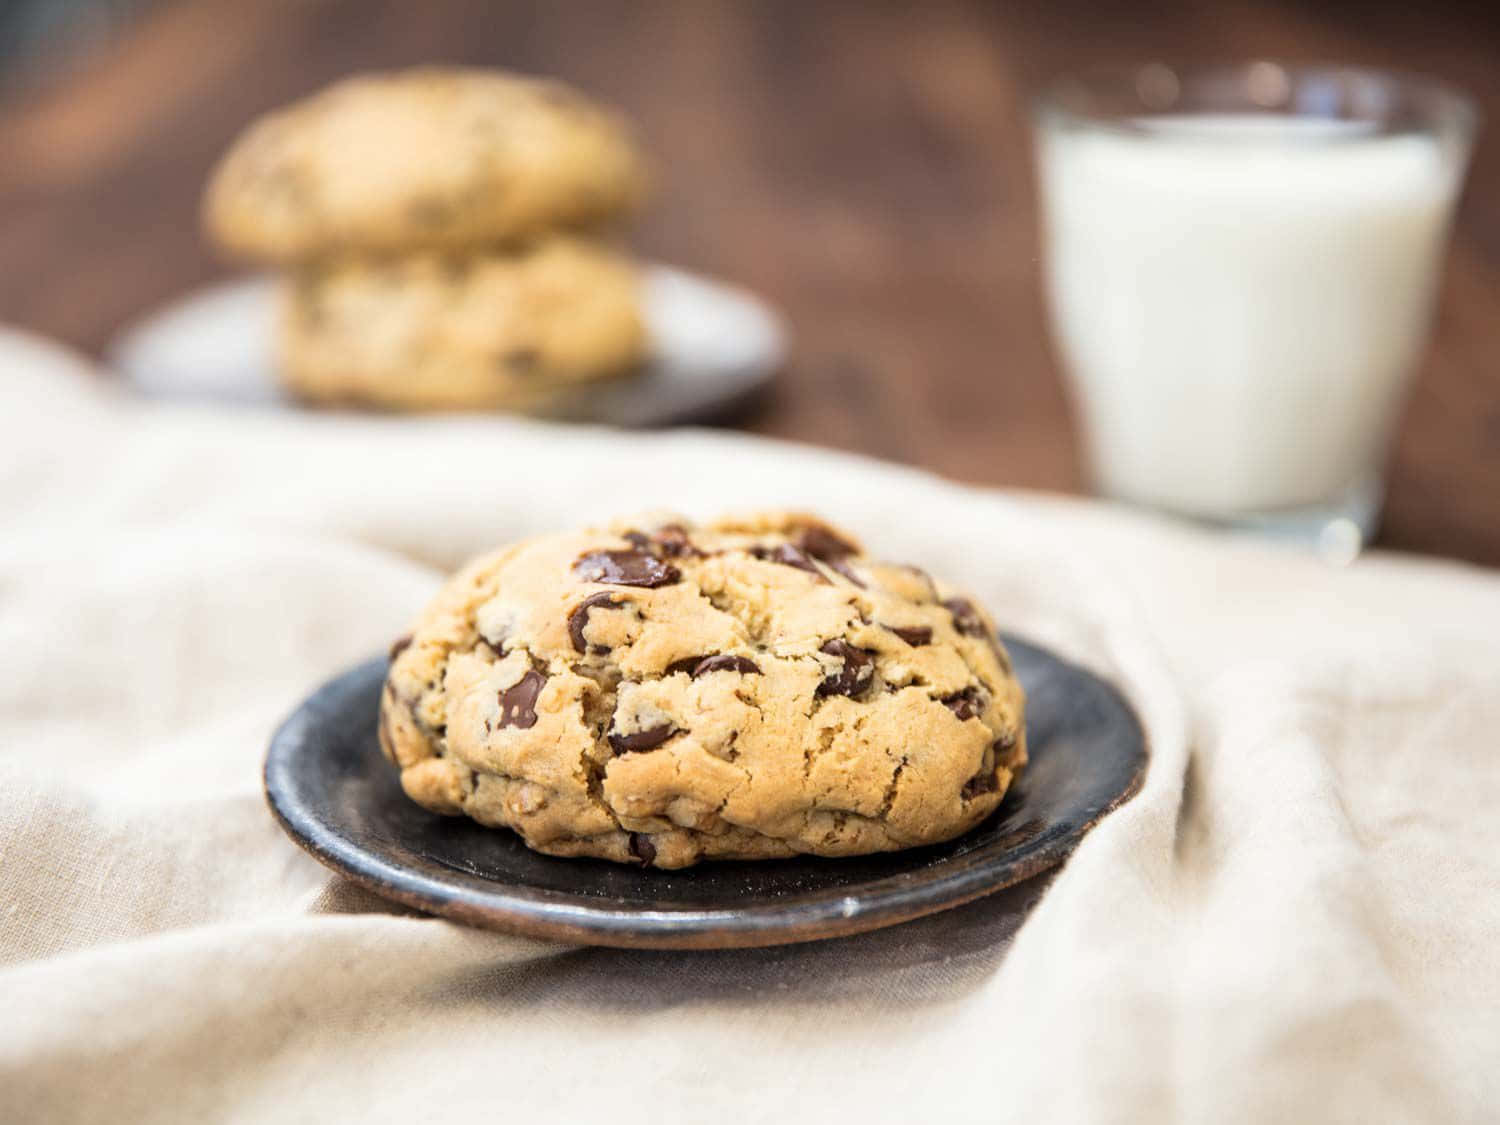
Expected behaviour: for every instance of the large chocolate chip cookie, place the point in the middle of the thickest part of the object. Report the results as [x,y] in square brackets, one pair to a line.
[660,693]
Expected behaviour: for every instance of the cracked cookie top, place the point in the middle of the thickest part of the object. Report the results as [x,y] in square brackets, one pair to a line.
[660,692]
[432,158]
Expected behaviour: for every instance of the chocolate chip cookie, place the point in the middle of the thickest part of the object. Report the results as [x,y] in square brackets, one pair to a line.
[433,158]
[659,693]
[433,332]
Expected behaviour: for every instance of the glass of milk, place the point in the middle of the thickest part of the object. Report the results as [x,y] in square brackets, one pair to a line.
[1241,264]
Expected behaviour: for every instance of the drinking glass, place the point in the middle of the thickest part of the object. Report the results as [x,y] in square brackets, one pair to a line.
[1241,265]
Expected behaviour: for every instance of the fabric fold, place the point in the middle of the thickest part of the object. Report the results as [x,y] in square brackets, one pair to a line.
[1298,917]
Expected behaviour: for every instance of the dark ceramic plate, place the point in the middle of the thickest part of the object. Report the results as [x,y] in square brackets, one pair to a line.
[339,799]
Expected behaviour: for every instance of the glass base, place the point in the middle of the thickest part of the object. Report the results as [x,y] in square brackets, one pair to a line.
[1337,530]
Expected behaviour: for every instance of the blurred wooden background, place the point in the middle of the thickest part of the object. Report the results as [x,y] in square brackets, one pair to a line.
[866,166]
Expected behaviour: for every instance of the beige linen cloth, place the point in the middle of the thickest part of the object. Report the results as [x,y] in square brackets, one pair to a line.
[1297,919]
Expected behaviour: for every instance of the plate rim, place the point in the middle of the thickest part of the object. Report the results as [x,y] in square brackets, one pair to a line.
[539,915]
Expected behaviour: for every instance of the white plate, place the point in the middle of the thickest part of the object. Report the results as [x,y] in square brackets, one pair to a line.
[712,347]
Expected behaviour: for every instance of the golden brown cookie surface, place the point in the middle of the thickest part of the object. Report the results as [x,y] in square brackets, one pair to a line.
[431,332]
[662,693]
[425,159]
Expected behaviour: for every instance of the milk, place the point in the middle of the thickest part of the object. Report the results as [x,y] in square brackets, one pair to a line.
[1240,300]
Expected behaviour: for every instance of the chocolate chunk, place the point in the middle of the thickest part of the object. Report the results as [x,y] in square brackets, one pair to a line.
[501,631]
[401,645]
[578,620]
[914,635]
[641,739]
[984,781]
[966,704]
[521,361]
[685,665]
[518,702]
[843,567]
[642,848]
[823,544]
[966,618]
[725,663]
[625,568]
[855,675]
[672,540]
[788,555]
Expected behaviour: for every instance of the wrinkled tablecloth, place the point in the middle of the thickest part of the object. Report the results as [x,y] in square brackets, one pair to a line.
[1298,918]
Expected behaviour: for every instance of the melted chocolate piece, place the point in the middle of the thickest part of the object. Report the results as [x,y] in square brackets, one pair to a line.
[673,542]
[823,544]
[985,781]
[518,702]
[914,635]
[685,665]
[400,645]
[625,568]
[578,620]
[982,782]
[669,541]
[521,361]
[966,704]
[843,567]
[788,555]
[497,642]
[641,740]
[856,674]
[642,848]
[966,618]
[724,663]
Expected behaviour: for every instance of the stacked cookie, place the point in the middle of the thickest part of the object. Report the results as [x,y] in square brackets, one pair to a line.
[441,228]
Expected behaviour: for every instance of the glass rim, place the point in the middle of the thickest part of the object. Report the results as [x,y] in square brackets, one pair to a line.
[1267,86]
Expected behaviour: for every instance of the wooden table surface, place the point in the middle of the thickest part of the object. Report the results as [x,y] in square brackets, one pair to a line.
[864,166]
